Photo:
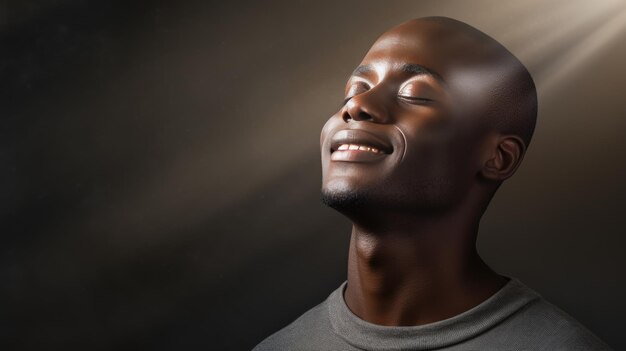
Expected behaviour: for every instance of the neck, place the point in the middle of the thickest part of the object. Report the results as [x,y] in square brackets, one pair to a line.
[407,270]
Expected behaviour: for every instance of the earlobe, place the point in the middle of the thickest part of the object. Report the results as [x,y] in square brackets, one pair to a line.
[505,157]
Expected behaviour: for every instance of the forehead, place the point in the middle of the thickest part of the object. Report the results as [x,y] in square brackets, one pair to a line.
[436,49]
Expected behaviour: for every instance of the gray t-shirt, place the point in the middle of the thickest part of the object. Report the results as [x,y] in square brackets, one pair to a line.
[514,318]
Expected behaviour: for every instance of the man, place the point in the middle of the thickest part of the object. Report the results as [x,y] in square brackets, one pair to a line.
[436,117]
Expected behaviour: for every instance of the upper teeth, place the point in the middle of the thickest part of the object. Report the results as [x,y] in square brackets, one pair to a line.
[358,147]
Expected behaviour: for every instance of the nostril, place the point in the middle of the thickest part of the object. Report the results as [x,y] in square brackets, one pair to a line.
[364,116]
[361,116]
[346,117]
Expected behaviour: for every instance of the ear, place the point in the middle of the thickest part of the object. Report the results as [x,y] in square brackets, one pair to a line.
[504,155]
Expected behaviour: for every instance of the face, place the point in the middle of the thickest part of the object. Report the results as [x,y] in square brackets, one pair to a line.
[404,140]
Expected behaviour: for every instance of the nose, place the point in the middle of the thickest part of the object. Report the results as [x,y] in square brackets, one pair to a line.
[365,107]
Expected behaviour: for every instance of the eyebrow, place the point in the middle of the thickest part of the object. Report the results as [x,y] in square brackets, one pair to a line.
[410,68]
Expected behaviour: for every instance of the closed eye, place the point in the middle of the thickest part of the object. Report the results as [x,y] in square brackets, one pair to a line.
[416,99]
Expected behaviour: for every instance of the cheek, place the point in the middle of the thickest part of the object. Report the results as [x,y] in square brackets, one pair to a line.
[435,152]
[426,134]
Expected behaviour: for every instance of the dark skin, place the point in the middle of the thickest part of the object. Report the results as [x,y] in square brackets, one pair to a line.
[419,101]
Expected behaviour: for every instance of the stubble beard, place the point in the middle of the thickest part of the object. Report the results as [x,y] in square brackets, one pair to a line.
[346,200]
[432,197]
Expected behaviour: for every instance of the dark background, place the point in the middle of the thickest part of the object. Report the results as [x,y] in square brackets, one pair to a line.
[161,172]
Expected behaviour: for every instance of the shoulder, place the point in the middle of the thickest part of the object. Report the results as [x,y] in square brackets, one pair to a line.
[550,328]
[565,332]
[305,330]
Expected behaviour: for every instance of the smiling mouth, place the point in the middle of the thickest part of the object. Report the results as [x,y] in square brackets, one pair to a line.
[357,153]
[356,139]
[358,147]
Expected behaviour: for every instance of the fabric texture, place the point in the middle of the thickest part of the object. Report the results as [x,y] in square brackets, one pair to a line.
[515,318]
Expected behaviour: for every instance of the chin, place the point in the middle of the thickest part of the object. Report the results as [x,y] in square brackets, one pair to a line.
[351,197]
[343,195]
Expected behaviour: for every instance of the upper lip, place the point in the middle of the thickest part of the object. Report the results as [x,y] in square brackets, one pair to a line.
[359,137]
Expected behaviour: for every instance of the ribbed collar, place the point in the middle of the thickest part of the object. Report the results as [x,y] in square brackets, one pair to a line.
[361,334]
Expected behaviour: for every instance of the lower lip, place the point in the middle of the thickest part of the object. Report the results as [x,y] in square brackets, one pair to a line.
[355,156]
